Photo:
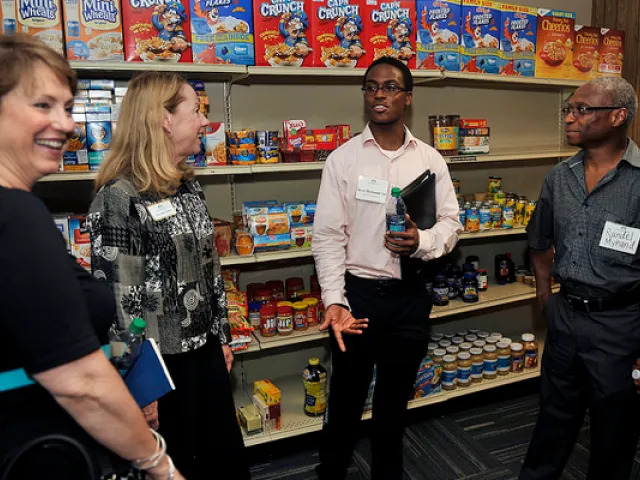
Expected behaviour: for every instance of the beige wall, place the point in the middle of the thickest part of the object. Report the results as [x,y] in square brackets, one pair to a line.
[581,7]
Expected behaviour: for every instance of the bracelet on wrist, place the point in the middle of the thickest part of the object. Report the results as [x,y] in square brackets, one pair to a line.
[155,459]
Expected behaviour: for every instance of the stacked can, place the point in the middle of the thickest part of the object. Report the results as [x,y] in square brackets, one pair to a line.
[242,147]
[268,150]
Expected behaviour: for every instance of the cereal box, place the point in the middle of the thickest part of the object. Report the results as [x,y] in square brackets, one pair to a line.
[79,240]
[391,30]
[518,40]
[93,30]
[586,47]
[611,55]
[99,134]
[76,157]
[222,31]
[156,31]
[439,34]
[284,33]
[39,18]
[554,43]
[480,36]
[337,32]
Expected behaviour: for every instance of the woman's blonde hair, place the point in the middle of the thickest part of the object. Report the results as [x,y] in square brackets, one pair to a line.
[141,149]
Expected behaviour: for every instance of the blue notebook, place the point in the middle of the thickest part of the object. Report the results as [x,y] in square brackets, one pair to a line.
[148,379]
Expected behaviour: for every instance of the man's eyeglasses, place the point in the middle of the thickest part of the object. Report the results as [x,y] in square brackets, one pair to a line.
[584,110]
[390,89]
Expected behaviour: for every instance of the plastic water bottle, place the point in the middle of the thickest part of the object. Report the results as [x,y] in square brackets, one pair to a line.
[396,212]
[133,339]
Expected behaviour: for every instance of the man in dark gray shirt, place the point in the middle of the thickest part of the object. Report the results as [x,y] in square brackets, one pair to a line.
[589,213]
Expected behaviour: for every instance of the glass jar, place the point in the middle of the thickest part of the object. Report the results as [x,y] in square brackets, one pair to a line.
[252,288]
[300,316]
[517,357]
[477,362]
[483,279]
[449,336]
[263,296]
[462,333]
[312,310]
[436,337]
[444,133]
[431,347]
[438,353]
[482,335]
[453,350]
[490,364]
[457,341]
[465,346]
[285,320]
[506,340]
[268,321]
[464,369]
[530,350]
[277,289]
[473,331]
[294,286]
[449,372]
[254,314]
[469,288]
[491,340]
[479,344]
[470,338]
[444,343]
[504,358]
[498,335]
[440,291]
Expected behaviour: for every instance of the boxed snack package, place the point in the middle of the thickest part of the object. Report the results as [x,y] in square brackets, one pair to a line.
[518,40]
[93,30]
[427,379]
[267,391]
[438,41]
[76,157]
[273,221]
[301,236]
[42,20]
[283,33]
[79,240]
[156,31]
[391,30]
[480,36]
[554,43]
[586,47]
[222,31]
[337,33]
[300,214]
[62,224]
[611,57]
[216,144]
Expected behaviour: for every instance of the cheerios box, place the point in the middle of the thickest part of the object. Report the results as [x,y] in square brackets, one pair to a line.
[480,36]
[554,43]
[586,48]
[222,31]
[391,30]
[337,33]
[438,40]
[38,18]
[93,30]
[518,40]
[156,31]
[611,56]
[283,33]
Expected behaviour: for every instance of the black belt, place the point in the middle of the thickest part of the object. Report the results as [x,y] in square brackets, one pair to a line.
[380,286]
[587,304]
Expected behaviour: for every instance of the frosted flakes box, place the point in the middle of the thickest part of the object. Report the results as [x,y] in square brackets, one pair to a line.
[337,33]
[518,40]
[611,56]
[438,41]
[586,48]
[222,31]
[93,30]
[156,31]
[391,30]
[554,43]
[283,33]
[480,36]
[37,18]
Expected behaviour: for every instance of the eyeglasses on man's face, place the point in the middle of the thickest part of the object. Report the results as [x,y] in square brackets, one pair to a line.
[387,89]
[582,110]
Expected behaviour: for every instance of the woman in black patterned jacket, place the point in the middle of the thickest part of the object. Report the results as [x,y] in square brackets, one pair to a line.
[152,240]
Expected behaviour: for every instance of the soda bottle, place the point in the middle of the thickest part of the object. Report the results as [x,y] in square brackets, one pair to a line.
[133,339]
[314,378]
[396,212]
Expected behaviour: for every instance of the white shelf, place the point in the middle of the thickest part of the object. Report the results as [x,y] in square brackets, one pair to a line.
[287,167]
[69,177]
[290,254]
[512,80]
[512,156]
[310,335]
[493,233]
[190,70]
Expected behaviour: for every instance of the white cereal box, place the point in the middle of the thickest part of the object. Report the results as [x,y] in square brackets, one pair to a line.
[38,18]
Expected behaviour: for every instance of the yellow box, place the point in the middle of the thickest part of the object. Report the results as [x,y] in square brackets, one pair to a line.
[554,44]
[267,391]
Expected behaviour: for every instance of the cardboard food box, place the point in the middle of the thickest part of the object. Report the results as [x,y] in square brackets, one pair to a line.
[300,214]
[99,136]
[62,224]
[216,144]
[283,33]
[480,36]
[438,41]
[427,379]
[554,43]
[272,222]
[611,57]
[93,30]
[76,156]
[301,237]
[42,20]
[337,33]
[391,30]
[222,31]
[518,40]
[267,391]
[79,240]
[156,31]
[586,49]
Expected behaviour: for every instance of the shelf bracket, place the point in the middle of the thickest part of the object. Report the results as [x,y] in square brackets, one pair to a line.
[232,192]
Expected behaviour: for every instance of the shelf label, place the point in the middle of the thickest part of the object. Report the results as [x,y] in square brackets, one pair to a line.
[462,158]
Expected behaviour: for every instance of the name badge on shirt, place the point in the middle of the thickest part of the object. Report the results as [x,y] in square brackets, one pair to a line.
[620,238]
[161,210]
[372,190]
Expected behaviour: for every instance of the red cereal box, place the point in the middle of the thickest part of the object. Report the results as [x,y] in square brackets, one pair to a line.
[391,30]
[337,33]
[282,33]
[611,57]
[156,31]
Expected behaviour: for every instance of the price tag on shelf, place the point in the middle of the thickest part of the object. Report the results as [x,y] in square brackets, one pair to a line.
[462,159]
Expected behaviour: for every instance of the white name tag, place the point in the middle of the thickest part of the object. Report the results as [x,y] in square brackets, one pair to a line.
[161,210]
[372,190]
[620,238]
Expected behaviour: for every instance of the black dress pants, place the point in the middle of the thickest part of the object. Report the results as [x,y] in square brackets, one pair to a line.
[396,342]
[587,364]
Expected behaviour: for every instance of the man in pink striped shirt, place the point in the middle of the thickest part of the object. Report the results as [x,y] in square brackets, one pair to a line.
[376,317]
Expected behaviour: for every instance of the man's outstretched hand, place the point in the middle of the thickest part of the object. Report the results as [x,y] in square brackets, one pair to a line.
[342,322]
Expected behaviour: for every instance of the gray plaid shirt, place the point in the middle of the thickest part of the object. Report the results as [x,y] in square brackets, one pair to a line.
[572,220]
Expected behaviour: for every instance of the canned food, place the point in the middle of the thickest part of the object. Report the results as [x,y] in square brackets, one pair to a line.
[507,217]
[511,200]
[462,216]
[485,217]
[528,211]
[496,216]
[500,198]
[473,219]
[494,185]
[518,215]
[456,187]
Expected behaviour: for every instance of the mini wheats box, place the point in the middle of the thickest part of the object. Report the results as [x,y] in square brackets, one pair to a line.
[37,18]
[480,36]
[391,30]
[439,34]
[337,33]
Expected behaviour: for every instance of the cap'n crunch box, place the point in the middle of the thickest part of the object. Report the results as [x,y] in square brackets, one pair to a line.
[586,46]
[93,30]
[222,31]
[38,18]
[518,40]
[337,32]
[284,33]
[554,47]
[611,57]
[391,30]
[480,36]
[156,31]
[438,41]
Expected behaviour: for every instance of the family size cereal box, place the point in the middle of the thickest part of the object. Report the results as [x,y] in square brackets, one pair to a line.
[222,31]
[439,34]
[156,31]
[586,48]
[391,30]
[554,48]
[611,57]
[518,40]
[38,18]
[337,33]
[283,33]
[480,36]
[93,30]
